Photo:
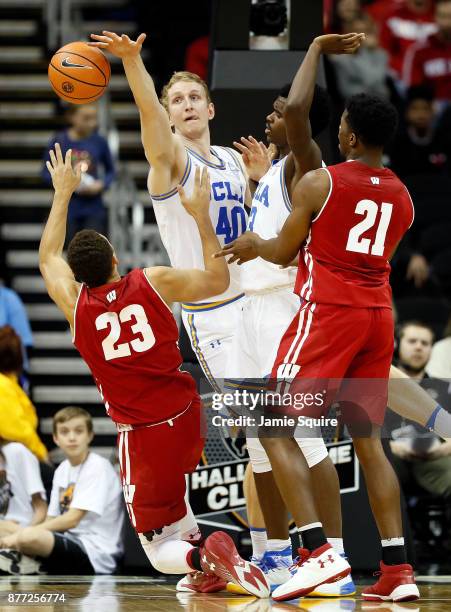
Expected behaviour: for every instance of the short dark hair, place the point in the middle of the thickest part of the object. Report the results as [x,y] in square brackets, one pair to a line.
[420,92]
[374,120]
[320,110]
[11,357]
[90,258]
[413,323]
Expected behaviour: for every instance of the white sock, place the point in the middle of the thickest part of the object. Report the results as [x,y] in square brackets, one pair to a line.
[278,545]
[166,551]
[442,426]
[259,541]
[337,543]
[392,542]
[189,529]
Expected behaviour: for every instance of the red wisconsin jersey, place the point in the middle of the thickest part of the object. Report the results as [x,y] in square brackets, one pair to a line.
[345,257]
[128,337]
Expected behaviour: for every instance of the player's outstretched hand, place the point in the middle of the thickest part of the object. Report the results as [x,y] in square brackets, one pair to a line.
[198,204]
[243,249]
[64,177]
[339,43]
[255,155]
[120,46]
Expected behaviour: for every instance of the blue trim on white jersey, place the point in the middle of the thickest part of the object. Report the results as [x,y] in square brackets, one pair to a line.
[220,166]
[283,186]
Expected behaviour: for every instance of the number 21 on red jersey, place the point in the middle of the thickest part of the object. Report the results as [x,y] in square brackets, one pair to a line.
[370,209]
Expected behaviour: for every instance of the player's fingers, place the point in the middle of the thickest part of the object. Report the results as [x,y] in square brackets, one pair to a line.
[205,177]
[247,142]
[112,35]
[246,159]
[240,147]
[126,38]
[68,158]
[355,39]
[141,38]
[52,158]
[263,147]
[104,39]
[59,155]
[233,259]
[49,167]
[225,251]
[99,45]
[77,170]
[197,179]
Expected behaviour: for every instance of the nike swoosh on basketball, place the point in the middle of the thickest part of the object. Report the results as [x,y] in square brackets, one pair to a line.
[68,64]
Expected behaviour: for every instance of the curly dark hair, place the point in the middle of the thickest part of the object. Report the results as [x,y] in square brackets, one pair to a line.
[11,357]
[320,110]
[90,258]
[373,119]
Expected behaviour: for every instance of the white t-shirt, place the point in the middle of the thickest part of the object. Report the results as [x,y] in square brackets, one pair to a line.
[20,478]
[93,486]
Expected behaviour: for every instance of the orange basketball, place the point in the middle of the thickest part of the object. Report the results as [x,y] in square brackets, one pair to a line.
[79,73]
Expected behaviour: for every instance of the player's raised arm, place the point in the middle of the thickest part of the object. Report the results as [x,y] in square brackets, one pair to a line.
[156,134]
[58,277]
[194,285]
[308,198]
[306,153]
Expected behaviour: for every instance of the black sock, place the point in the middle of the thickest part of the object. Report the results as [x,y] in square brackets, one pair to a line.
[394,555]
[194,559]
[313,537]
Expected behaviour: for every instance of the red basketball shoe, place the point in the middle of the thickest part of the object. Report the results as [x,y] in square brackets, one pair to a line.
[396,583]
[219,556]
[198,582]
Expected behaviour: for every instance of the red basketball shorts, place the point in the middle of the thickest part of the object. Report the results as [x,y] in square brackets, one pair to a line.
[336,354]
[154,461]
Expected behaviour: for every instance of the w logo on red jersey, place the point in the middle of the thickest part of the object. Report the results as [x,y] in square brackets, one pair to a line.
[375,180]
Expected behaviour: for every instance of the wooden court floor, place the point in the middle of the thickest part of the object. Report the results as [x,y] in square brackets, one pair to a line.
[130,593]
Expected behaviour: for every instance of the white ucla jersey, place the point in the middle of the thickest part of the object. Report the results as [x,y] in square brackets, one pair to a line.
[178,229]
[270,207]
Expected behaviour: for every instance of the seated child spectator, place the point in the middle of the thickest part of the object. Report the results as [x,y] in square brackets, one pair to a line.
[22,497]
[82,531]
